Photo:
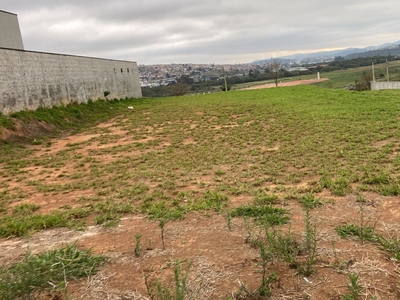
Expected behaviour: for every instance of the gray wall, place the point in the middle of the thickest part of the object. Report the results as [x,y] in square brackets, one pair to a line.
[29,80]
[391,85]
[10,34]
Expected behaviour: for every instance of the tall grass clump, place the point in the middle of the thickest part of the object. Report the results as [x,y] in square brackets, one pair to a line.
[50,271]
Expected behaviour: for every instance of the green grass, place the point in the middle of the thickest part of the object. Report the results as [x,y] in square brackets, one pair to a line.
[50,271]
[343,78]
[268,215]
[196,153]
[367,233]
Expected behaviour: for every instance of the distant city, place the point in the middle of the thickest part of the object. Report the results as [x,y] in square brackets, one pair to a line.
[157,75]
[165,74]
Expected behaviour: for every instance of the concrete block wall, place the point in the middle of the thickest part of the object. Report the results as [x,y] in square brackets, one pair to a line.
[29,80]
[391,85]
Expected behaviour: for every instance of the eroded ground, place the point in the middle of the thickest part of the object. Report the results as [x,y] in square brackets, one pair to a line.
[111,163]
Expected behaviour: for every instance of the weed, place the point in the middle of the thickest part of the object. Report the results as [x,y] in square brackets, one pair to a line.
[354,288]
[108,219]
[268,215]
[47,272]
[309,201]
[389,244]
[159,290]
[265,199]
[266,257]
[25,209]
[362,220]
[309,247]
[214,200]
[6,122]
[219,172]
[283,246]
[12,226]
[263,292]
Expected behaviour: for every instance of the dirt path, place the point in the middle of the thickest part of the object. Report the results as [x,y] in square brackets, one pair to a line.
[289,83]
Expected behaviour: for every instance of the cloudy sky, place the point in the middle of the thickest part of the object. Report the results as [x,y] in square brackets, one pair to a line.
[202,31]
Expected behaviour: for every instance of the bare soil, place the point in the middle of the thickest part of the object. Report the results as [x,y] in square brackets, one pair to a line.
[222,259]
[289,83]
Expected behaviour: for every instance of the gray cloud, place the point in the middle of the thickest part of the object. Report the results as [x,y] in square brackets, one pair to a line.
[206,31]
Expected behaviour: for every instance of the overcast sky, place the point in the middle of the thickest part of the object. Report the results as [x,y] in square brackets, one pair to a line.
[202,31]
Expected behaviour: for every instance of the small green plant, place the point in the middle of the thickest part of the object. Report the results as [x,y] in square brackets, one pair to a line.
[309,247]
[362,221]
[390,244]
[364,231]
[268,215]
[368,233]
[309,201]
[354,288]
[219,172]
[347,230]
[266,257]
[6,122]
[138,245]
[25,209]
[47,272]
[263,292]
[265,199]
[283,246]
[108,219]
[159,290]
[214,200]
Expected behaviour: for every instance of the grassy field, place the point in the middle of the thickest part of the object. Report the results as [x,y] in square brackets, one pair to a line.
[339,79]
[304,146]
[243,139]
[343,78]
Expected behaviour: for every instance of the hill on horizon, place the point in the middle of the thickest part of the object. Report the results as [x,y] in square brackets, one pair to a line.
[348,53]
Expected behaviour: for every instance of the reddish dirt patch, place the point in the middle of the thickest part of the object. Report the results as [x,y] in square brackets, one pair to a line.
[290,83]
[222,258]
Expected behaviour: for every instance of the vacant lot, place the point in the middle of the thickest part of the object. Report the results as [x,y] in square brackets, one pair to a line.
[285,193]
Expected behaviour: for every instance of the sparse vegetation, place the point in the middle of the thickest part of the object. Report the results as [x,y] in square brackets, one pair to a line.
[354,288]
[159,290]
[260,157]
[50,271]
